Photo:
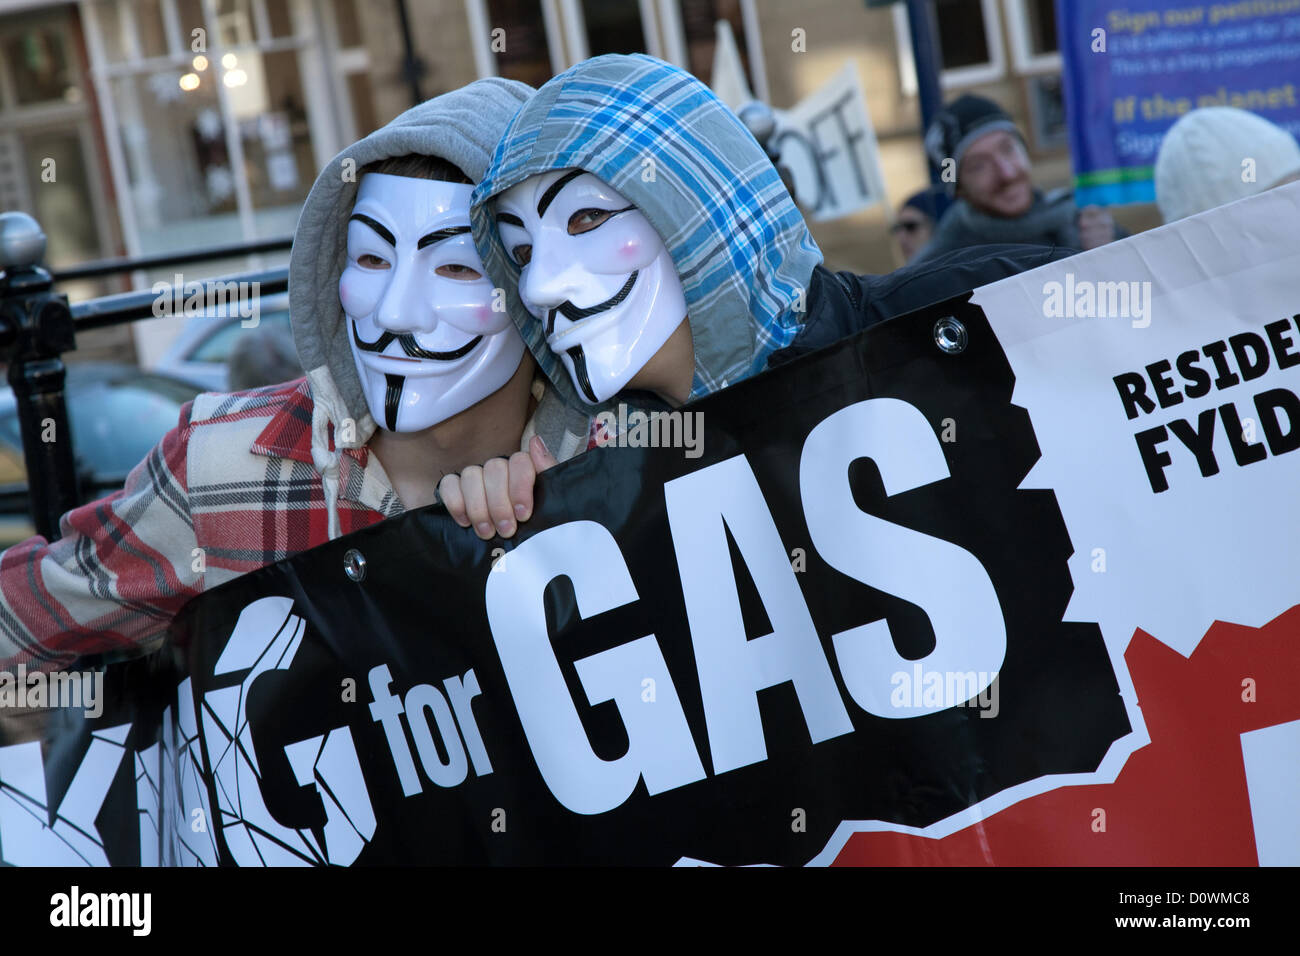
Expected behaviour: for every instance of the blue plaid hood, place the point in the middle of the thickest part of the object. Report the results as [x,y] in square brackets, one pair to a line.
[741,247]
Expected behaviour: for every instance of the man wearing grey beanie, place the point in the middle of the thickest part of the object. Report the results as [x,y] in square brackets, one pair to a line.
[983,162]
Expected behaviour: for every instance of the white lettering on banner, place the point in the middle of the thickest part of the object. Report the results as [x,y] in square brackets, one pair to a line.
[1145,437]
[190,792]
[424,697]
[660,747]
[169,789]
[946,581]
[148,800]
[331,767]
[387,710]
[460,691]
[25,839]
[428,697]
[266,637]
[732,668]
[702,507]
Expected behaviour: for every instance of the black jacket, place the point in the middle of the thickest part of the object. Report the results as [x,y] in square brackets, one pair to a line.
[843,303]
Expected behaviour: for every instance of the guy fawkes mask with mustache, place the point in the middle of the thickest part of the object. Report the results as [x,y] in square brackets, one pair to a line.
[595,273]
[429,337]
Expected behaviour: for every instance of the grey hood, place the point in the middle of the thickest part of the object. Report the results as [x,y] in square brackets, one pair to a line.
[462,127]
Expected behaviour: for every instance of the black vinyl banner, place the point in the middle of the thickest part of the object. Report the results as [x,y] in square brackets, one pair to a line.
[827,601]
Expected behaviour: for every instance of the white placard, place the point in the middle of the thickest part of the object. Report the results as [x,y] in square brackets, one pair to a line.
[829,145]
[1162,375]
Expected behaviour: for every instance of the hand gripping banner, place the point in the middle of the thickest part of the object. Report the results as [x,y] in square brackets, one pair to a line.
[1007,581]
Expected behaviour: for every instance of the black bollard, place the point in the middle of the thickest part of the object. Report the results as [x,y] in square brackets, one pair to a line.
[36,328]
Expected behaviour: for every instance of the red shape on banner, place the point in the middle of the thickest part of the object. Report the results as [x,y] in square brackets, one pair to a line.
[1179,801]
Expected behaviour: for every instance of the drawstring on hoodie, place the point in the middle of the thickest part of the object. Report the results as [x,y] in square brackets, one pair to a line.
[325,402]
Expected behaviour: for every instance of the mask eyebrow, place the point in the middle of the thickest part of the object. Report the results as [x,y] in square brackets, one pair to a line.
[383,232]
[440,235]
[510,219]
[553,190]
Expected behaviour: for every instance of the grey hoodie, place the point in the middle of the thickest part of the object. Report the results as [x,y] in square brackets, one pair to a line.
[462,127]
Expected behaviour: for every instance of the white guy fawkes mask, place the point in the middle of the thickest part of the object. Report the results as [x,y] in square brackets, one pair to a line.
[424,335]
[595,272]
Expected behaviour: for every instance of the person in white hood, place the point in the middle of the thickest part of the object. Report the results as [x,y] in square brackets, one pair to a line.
[1218,154]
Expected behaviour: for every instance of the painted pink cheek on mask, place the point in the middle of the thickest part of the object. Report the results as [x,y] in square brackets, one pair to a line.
[484,314]
[352,298]
[631,249]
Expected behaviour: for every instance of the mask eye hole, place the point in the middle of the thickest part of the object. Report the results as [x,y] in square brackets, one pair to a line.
[523,254]
[585,220]
[370,261]
[457,271]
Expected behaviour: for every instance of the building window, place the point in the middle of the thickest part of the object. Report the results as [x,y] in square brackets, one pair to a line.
[1040,15]
[50,167]
[39,67]
[963,33]
[593,27]
[699,28]
[613,26]
[348,66]
[1048,127]
[522,49]
[217,124]
[532,40]
[691,35]
[970,42]
[1032,28]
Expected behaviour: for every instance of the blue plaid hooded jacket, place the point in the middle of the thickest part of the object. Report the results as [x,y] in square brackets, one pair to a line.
[741,247]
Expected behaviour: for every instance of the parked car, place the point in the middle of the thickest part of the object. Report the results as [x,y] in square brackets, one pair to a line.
[200,352]
[116,413]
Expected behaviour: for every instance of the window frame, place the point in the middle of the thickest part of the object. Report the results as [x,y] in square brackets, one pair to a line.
[992,71]
[661,24]
[670,19]
[307,41]
[575,29]
[1023,59]
[55,115]
[480,36]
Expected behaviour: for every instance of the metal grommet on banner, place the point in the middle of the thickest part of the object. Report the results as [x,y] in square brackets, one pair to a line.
[950,335]
[354,565]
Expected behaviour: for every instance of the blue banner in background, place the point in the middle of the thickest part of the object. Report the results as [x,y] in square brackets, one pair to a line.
[1130,71]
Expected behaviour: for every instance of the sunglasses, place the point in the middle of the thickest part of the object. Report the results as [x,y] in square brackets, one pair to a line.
[905,225]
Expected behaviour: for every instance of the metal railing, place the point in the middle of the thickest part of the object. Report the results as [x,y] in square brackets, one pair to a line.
[37,325]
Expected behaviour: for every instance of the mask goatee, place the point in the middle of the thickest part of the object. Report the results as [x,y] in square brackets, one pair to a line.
[392,399]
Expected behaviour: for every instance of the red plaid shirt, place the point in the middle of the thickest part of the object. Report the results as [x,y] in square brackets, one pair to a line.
[232,488]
